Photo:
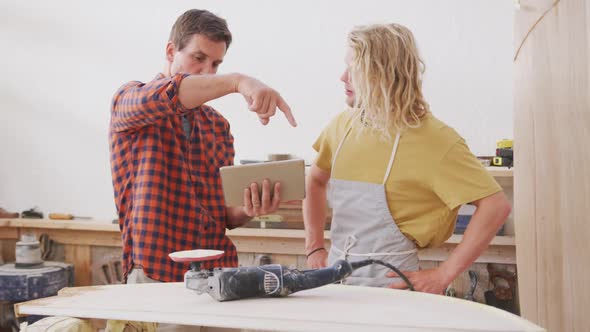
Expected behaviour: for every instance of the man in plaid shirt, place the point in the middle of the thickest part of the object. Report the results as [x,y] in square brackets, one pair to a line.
[166,149]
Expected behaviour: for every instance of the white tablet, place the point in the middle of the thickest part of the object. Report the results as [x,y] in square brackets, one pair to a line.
[290,173]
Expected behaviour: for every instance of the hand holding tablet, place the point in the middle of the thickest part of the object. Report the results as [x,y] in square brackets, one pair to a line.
[289,173]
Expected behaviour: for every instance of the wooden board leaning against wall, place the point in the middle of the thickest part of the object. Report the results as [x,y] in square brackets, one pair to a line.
[552,127]
[94,247]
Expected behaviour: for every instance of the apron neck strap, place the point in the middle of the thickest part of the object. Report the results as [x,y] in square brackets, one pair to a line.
[342,142]
[391,159]
[393,152]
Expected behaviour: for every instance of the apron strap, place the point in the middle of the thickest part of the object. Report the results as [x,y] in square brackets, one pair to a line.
[391,159]
[348,244]
[342,141]
[393,152]
[351,241]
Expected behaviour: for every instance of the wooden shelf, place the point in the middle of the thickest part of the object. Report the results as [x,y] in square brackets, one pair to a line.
[495,171]
[501,172]
[270,233]
[499,240]
[80,235]
[291,242]
[103,226]
[86,225]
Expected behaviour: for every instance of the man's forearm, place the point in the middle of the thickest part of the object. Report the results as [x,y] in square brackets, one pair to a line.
[314,215]
[485,222]
[195,90]
[236,217]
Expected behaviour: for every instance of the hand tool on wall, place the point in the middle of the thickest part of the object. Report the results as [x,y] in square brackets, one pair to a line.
[226,284]
[65,216]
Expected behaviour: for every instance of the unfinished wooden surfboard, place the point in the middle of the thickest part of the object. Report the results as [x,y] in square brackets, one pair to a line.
[330,308]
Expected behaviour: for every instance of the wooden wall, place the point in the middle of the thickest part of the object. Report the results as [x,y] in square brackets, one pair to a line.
[552,176]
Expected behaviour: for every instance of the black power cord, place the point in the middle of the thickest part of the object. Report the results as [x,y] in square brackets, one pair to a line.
[359,264]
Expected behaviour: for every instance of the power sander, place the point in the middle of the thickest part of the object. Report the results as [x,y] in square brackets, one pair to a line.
[273,280]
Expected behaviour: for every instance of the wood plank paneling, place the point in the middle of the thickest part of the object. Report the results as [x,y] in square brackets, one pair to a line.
[8,233]
[552,181]
[8,248]
[80,256]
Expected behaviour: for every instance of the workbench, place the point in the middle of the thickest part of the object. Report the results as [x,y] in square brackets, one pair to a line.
[329,308]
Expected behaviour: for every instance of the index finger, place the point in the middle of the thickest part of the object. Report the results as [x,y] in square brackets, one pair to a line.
[276,198]
[287,110]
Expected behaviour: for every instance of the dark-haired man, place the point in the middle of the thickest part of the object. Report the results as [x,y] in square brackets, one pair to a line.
[166,149]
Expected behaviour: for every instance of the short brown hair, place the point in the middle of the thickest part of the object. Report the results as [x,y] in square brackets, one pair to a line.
[203,22]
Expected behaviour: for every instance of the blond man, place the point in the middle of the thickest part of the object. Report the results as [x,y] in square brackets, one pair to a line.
[394,175]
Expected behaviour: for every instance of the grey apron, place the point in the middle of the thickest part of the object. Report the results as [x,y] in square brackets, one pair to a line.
[363,228]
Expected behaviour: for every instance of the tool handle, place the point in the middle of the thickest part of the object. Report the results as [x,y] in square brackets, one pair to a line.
[296,280]
[61,216]
[275,280]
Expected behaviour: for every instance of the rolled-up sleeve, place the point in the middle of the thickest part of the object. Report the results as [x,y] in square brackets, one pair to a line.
[137,104]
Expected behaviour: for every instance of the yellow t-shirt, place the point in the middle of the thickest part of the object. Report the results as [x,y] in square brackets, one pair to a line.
[433,174]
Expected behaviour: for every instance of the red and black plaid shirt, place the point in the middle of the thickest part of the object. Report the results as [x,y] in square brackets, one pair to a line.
[167,185]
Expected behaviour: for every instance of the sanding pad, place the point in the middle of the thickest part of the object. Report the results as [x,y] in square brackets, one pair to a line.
[197,255]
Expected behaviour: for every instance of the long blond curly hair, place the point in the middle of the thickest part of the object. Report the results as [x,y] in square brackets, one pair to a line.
[386,75]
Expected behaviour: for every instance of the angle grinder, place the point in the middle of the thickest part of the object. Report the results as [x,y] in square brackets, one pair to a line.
[273,280]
